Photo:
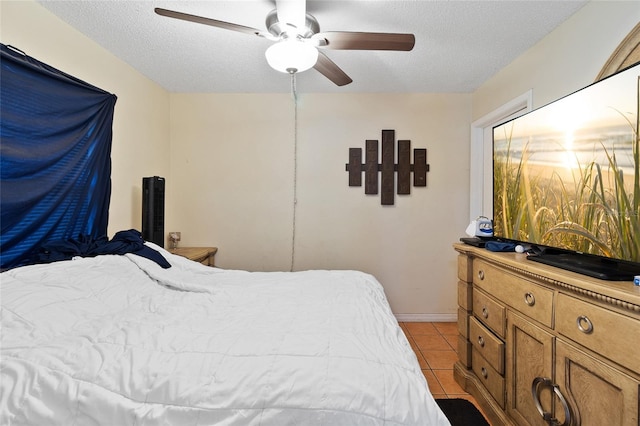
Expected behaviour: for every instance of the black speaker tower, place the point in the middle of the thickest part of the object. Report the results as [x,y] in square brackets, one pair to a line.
[153,210]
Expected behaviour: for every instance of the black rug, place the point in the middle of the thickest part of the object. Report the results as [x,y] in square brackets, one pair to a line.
[461,412]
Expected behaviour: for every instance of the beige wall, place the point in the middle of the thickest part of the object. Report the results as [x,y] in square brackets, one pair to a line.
[141,120]
[232,172]
[239,148]
[566,60]
[228,158]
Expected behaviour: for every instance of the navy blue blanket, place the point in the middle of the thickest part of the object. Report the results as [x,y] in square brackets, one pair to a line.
[130,241]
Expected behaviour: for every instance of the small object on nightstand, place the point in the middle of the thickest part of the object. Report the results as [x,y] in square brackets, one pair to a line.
[204,255]
[174,237]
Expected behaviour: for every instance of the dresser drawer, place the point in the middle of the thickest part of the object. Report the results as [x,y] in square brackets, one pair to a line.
[489,377]
[490,312]
[487,344]
[607,333]
[532,300]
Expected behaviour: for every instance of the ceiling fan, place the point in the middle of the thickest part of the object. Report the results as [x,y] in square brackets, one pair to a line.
[298,38]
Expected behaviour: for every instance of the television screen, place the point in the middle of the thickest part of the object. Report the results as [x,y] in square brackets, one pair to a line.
[566,179]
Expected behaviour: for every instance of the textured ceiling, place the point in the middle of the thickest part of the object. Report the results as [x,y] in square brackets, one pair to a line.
[459,44]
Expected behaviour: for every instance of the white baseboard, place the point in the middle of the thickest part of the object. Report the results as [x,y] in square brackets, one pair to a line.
[427,317]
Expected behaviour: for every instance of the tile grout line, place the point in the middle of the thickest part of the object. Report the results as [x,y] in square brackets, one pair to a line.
[417,349]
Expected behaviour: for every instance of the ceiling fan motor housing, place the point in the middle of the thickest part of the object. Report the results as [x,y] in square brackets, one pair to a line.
[284,30]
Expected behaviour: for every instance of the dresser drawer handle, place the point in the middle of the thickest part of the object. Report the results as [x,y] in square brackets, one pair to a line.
[485,312]
[481,341]
[481,274]
[538,385]
[484,373]
[529,299]
[584,324]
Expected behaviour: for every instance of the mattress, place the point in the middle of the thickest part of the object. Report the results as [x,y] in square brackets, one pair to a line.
[118,340]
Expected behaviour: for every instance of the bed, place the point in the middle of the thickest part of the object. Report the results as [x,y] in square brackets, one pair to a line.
[121,332]
[120,340]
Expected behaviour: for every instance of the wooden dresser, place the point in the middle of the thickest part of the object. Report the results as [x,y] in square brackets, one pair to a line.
[204,255]
[542,346]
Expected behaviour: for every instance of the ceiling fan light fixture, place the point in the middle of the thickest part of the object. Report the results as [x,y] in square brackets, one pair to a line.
[290,56]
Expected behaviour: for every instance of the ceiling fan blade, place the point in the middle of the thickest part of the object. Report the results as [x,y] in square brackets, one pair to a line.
[209,21]
[292,12]
[345,40]
[329,69]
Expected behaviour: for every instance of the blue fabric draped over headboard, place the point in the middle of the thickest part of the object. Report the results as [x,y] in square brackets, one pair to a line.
[55,156]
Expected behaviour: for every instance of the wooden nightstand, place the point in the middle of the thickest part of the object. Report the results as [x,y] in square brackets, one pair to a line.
[204,255]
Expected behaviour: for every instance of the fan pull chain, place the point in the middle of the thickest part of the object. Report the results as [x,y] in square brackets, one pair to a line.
[294,94]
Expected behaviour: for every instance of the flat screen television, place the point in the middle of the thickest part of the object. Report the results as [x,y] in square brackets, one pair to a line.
[566,180]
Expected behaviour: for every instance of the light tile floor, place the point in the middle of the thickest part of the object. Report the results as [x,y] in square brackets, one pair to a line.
[435,345]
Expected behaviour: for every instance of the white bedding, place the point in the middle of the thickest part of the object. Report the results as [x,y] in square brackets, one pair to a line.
[117,340]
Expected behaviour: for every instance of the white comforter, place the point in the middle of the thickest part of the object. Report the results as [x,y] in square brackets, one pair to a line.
[117,340]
